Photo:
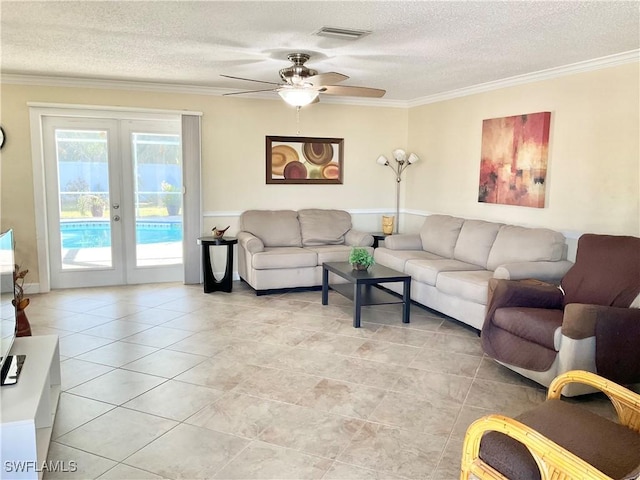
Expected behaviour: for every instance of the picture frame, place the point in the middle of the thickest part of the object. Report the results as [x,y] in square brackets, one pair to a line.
[304,160]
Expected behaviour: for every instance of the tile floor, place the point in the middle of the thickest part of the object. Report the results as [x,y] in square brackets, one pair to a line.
[163,381]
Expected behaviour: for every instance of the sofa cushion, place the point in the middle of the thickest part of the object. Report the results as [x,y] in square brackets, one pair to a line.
[470,286]
[276,228]
[520,244]
[397,259]
[439,234]
[333,253]
[323,227]
[284,257]
[475,241]
[537,325]
[426,271]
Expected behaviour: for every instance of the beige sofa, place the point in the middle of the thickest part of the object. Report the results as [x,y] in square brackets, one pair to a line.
[285,249]
[452,259]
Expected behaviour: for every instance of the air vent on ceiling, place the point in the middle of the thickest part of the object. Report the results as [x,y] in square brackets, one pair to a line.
[344,33]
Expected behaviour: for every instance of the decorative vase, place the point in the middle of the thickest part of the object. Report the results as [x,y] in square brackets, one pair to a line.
[387,224]
[359,266]
[23,328]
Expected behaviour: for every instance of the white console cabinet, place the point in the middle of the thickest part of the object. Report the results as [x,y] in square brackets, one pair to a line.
[27,409]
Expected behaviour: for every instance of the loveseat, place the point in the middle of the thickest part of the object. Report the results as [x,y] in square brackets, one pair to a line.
[285,249]
[452,259]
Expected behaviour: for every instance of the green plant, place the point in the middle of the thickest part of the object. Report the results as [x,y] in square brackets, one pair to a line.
[172,197]
[93,203]
[361,256]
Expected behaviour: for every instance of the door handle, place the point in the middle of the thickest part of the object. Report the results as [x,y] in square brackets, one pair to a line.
[116,206]
[116,218]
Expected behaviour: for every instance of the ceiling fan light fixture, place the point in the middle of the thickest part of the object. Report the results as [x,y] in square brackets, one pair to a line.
[298,96]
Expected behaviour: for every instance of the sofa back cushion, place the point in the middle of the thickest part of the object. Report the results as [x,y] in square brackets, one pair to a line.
[520,244]
[475,241]
[439,234]
[323,227]
[276,228]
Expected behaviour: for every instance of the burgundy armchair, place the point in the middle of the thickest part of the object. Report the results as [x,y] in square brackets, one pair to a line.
[591,323]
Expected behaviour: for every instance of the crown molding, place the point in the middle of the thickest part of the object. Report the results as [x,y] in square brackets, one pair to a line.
[550,73]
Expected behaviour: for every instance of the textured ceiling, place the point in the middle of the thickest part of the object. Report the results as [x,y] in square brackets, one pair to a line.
[416,48]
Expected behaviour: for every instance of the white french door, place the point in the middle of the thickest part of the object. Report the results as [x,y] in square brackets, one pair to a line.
[114,199]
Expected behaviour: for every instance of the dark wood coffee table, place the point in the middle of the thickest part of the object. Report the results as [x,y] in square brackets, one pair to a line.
[363,287]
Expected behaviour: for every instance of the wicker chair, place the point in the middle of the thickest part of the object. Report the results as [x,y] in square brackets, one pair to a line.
[558,439]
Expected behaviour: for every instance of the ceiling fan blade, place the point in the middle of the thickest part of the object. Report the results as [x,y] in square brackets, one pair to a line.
[329,78]
[250,80]
[348,91]
[250,91]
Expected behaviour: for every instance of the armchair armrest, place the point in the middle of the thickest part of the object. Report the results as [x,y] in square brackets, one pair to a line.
[403,242]
[250,242]
[551,272]
[512,293]
[356,238]
[580,320]
[550,457]
[626,402]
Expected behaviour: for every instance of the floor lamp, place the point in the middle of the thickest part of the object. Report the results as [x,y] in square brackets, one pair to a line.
[402,162]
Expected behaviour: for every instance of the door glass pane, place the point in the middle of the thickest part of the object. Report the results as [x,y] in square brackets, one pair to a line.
[83,189]
[157,164]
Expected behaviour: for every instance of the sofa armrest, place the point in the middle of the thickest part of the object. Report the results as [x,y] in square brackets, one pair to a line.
[403,242]
[250,242]
[551,272]
[580,319]
[356,238]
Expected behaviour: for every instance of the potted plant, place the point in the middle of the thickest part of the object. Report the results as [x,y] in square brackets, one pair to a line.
[23,329]
[172,199]
[360,258]
[94,203]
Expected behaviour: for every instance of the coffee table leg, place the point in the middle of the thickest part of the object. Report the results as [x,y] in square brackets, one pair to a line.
[406,301]
[357,303]
[325,286]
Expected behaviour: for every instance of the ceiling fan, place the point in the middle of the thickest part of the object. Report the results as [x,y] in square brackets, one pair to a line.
[302,85]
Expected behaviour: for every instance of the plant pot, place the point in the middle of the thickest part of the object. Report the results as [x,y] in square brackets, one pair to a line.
[173,209]
[359,266]
[97,211]
[23,328]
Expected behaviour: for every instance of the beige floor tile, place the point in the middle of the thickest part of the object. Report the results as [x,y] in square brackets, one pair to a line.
[332,343]
[75,464]
[504,398]
[73,322]
[116,329]
[153,316]
[74,372]
[266,315]
[78,343]
[219,374]
[344,471]
[117,387]
[116,310]
[188,452]
[174,400]
[158,336]
[202,343]
[281,335]
[274,384]
[40,330]
[467,416]
[262,461]
[446,362]
[247,351]
[342,398]
[310,431]
[403,336]
[492,370]
[117,354]
[165,363]
[125,472]
[305,361]
[412,412]
[395,451]
[365,372]
[184,304]
[389,353]
[238,414]
[437,388]
[344,326]
[117,434]
[455,343]
[74,411]
[449,465]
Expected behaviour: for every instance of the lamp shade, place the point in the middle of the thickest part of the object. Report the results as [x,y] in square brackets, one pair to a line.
[298,96]
[400,155]
[413,158]
[382,160]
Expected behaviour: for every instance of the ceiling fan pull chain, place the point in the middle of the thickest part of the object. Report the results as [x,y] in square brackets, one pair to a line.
[298,120]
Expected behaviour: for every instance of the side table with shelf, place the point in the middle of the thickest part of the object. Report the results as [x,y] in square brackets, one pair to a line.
[28,408]
[210,282]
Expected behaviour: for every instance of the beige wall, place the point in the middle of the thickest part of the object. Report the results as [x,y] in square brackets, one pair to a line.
[593,176]
[233,152]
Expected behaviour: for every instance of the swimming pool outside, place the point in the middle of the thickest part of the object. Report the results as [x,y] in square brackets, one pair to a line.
[97,233]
